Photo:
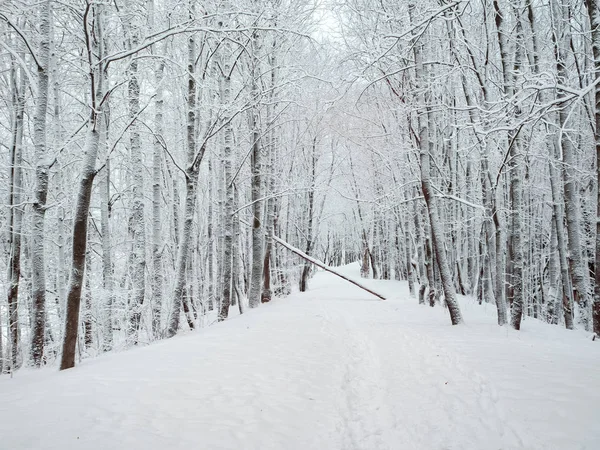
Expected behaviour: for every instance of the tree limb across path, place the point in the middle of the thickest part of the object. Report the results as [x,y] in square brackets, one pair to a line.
[323,266]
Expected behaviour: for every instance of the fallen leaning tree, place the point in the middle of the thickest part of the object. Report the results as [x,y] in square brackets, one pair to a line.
[324,266]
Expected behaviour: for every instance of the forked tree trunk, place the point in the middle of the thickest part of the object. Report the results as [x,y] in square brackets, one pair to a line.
[577,264]
[191,186]
[430,200]
[267,291]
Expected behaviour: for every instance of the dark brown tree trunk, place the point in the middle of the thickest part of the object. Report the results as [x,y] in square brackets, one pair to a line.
[88,173]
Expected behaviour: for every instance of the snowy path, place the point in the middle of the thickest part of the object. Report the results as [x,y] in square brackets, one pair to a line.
[329,369]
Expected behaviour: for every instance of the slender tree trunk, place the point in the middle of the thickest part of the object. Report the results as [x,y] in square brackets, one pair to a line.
[210,237]
[429,262]
[593,10]
[408,256]
[577,262]
[558,218]
[271,203]
[310,214]
[42,169]
[235,271]
[516,251]
[256,167]
[516,200]
[428,194]
[88,329]
[107,268]
[15,218]
[138,278]
[229,198]
[88,173]
[157,264]
[191,185]
[157,149]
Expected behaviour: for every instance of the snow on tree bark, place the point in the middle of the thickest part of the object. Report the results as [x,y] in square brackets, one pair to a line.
[138,276]
[256,183]
[593,10]
[92,20]
[191,186]
[577,264]
[38,275]
[428,194]
[15,218]
[229,194]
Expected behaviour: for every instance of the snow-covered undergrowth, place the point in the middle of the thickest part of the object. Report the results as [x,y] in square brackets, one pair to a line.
[332,368]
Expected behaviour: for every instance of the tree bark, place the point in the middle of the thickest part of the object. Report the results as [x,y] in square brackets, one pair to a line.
[42,169]
[227,261]
[191,186]
[256,166]
[593,10]
[15,219]
[577,265]
[423,114]
[138,277]
[86,180]
[157,264]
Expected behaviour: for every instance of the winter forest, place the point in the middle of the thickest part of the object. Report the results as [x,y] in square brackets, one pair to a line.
[160,158]
[182,180]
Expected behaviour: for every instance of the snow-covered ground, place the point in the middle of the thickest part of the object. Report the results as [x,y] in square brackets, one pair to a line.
[330,369]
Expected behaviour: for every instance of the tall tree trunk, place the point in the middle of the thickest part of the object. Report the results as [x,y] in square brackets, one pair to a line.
[191,186]
[210,237]
[138,278]
[88,328]
[15,219]
[593,9]
[516,200]
[107,267]
[428,194]
[256,166]
[558,218]
[235,271]
[88,173]
[310,215]
[429,261]
[577,264]
[267,293]
[42,169]
[229,195]
[408,256]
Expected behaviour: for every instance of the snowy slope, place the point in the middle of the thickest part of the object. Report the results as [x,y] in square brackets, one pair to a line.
[329,369]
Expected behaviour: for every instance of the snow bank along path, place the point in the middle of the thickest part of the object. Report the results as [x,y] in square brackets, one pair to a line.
[333,368]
